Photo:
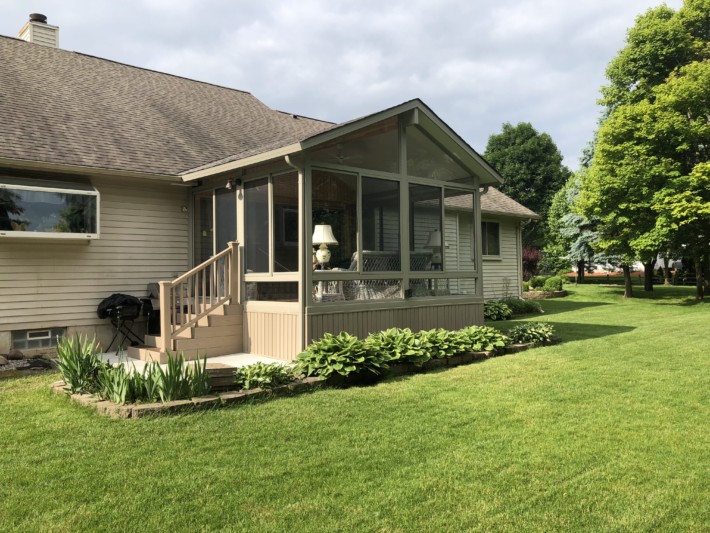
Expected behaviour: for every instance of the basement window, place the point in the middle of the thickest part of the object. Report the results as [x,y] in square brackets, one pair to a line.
[33,339]
[48,209]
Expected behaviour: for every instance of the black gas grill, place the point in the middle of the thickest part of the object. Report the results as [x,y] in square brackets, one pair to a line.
[123,310]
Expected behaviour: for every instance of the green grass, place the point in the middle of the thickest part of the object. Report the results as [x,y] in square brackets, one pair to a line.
[609,431]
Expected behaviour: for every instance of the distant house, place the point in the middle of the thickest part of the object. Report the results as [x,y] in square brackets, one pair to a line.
[265,229]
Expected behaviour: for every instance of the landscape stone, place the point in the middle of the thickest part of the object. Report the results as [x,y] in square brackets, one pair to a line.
[232,398]
[3,360]
[15,355]
[146,409]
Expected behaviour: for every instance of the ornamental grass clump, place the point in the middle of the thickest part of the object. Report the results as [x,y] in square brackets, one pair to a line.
[482,339]
[264,375]
[532,332]
[79,363]
[398,346]
[341,354]
[180,381]
[495,310]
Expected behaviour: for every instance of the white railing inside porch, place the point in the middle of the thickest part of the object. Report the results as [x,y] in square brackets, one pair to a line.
[195,294]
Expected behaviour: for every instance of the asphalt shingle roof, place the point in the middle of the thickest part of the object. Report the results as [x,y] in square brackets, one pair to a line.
[495,202]
[64,107]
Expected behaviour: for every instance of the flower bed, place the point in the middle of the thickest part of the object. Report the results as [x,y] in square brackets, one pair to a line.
[210,401]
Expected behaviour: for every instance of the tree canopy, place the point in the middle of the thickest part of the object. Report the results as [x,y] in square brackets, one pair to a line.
[532,167]
[650,157]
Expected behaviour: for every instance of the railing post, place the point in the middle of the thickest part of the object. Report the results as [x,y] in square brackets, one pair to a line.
[234,272]
[166,307]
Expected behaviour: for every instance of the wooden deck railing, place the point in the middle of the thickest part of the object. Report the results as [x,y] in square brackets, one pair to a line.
[192,296]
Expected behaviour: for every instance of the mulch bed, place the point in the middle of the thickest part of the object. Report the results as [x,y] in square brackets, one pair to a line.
[24,367]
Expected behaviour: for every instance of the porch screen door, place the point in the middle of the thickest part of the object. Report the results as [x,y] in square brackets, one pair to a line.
[215,222]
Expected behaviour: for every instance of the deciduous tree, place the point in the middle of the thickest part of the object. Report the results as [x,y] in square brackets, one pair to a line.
[532,167]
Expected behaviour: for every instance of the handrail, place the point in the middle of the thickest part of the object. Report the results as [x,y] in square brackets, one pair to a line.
[198,292]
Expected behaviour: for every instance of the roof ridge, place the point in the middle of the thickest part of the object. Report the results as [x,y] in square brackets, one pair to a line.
[62,50]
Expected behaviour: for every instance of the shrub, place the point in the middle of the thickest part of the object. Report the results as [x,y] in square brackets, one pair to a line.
[538,282]
[341,354]
[482,339]
[264,375]
[442,343]
[535,332]
[526,286]
[398,346]
[531,257]
[493,310]
[79,363]
[553,284]
[522,307]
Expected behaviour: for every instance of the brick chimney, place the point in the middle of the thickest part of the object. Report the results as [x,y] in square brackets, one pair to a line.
[37,31]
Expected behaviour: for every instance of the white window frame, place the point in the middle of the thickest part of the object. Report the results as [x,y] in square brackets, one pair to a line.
[56,187]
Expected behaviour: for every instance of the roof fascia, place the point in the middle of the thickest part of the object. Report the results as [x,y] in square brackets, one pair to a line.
[350,127]
[24,164]
[245,162]
[451,141]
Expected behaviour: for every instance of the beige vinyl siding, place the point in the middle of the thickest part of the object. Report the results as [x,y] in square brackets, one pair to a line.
[363,322]
[272,330]
[144,238]
[503,274]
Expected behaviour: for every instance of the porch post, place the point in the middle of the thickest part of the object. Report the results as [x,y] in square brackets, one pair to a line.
[235,267]
[166,308]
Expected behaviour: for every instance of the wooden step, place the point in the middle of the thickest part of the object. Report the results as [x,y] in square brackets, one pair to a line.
[206,332]
[148,353]
[212,344]
[220,320]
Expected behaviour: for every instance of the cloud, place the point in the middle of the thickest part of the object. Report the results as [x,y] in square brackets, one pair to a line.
[477,64]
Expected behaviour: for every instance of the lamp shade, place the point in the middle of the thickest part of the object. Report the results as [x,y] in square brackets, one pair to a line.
[434,240]
[323,234]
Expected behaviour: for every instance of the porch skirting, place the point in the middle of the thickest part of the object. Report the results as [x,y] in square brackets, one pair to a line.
[362,322]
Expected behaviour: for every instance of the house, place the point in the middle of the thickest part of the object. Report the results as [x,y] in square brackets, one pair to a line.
[264,229]
[501,234]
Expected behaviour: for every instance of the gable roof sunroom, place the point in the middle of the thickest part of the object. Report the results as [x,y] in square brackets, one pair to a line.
[419,127]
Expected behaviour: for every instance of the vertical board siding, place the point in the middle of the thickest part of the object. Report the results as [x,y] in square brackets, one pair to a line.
[501,277]
[271,334]
[362,323]
[144,238]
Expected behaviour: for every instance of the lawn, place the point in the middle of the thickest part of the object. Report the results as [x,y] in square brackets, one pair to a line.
[608,431]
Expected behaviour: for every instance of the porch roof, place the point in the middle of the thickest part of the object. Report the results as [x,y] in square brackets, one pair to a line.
[420,114]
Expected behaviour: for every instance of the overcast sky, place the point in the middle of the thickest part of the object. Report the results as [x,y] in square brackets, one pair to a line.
[476,63]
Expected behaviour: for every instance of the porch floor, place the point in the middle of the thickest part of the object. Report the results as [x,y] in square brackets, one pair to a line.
[231,360]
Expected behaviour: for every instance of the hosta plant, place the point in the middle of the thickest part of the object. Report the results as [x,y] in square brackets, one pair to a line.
[494,310]
[532,332]
[341,354]
[79,363]
[442,343]
[264,375]
[399,346]
[483,338]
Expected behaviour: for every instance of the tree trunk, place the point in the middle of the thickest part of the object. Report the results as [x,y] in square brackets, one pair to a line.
[699,279]
[666,271]
[580,271]
[628,292]
[648,275]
